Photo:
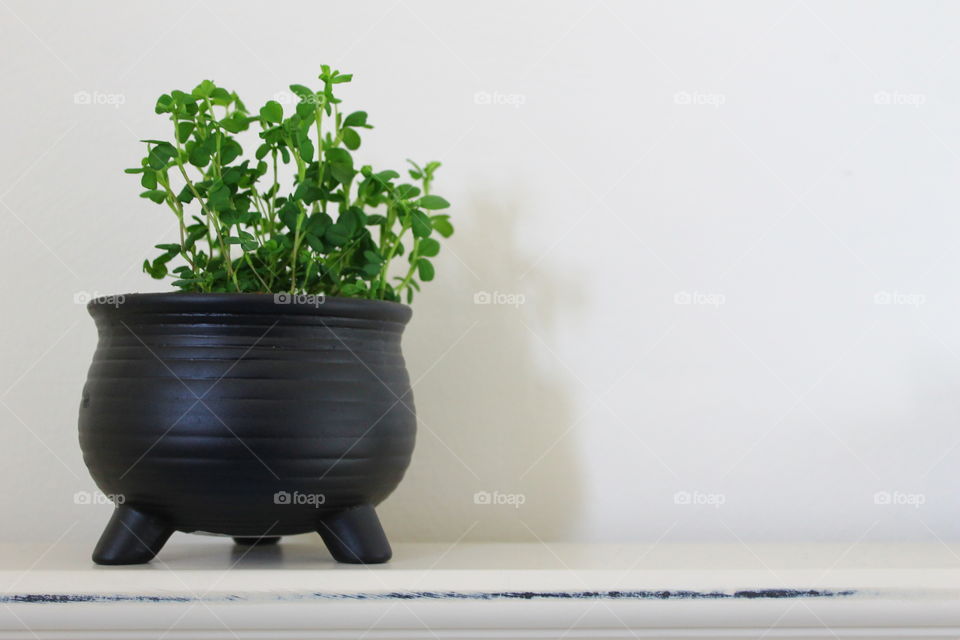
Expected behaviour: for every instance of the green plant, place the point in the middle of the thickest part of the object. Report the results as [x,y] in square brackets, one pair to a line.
[336,230]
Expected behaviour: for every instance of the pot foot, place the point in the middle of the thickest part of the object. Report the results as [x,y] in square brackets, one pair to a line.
[250,541]
[355,536]
[131,537]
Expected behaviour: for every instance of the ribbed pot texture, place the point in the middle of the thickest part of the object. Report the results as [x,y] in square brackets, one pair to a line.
[249,415]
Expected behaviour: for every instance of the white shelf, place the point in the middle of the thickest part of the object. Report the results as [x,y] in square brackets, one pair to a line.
[199,588]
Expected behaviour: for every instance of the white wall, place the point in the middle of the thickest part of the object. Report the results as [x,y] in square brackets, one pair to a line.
[737,152]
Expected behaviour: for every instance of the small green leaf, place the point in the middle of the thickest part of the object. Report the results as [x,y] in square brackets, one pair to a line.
[351,139]
[198,156]
[318,223]
[305,109]
[425,270]
[343,173]
[420,224]
[203,90]
[289,214]
[184,129]
[315,243]
[155,195]
[221,97]
[157,270]
[160,154]
[340,156]
[165,104]
[236,122]
[336,235]
[442,224]
[230,150]
[271,112]
[305,145]
[301,91]
[407,191]
[219,197]
[433,202]
[429,247]
[356,119]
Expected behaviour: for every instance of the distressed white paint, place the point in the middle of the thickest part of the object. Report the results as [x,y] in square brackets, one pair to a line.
[480,591]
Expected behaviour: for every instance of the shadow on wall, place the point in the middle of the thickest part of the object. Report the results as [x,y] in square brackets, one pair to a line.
[496,452]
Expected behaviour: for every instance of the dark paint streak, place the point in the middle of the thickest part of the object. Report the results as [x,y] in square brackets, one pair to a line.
[61,598]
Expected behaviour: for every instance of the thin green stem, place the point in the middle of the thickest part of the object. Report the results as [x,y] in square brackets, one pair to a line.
[414,254]
[211,215]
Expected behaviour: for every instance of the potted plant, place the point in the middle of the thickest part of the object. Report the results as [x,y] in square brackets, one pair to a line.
[268,395]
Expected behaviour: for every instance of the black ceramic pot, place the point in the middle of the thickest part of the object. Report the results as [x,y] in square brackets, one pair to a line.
[247,415]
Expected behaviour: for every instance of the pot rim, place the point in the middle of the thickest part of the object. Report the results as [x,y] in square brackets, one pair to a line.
[253,303]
